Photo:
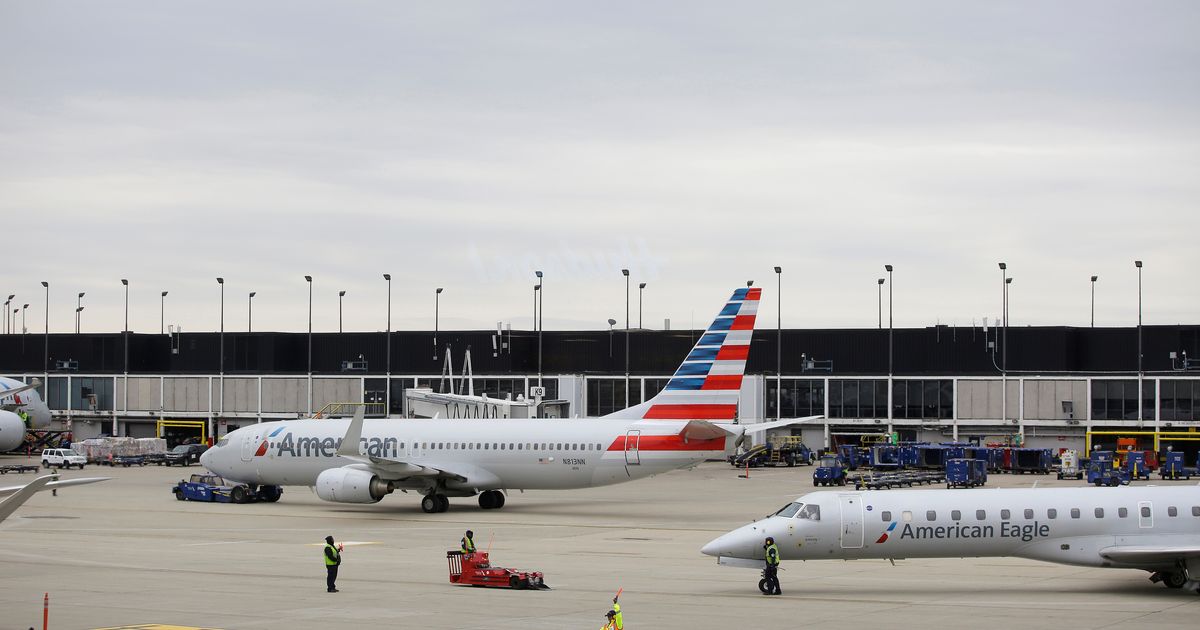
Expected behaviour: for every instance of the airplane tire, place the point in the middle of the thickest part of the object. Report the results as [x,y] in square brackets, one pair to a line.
[443,504]
[485,500]
[429,504]
[1174,579]
[498,499]
[238,495]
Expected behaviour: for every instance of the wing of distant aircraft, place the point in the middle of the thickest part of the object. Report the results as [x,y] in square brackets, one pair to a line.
[5,393]
[21,494]
[391,468]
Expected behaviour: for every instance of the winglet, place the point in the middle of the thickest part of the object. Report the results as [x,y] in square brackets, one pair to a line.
[350,443]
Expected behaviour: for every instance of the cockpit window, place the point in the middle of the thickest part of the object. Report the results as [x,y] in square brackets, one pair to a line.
[810,512]
[789,510]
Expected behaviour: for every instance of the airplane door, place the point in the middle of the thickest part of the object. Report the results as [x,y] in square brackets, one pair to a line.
[632,440]
[250,444]
[1145,515]
[852,521]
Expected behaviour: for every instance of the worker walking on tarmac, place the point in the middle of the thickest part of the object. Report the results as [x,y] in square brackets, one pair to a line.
[333,559]
[772,570]
[468,542]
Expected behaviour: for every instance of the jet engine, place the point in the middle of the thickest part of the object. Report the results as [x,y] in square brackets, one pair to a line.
[351,485]
[12,431]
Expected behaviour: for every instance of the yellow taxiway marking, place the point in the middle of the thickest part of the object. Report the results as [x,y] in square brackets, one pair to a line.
[348,543]
[155,626]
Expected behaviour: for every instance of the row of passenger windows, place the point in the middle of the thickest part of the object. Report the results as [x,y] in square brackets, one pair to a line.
[1051,513]
[504,446]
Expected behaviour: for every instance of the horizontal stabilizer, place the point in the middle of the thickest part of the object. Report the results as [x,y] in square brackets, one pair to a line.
[777,424]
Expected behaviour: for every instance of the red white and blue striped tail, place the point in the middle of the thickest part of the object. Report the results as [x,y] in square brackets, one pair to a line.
[708,382]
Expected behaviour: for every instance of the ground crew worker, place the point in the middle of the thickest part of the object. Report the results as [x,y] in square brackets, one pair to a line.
[333,559]
[614,616]
[772,570]
[468,542]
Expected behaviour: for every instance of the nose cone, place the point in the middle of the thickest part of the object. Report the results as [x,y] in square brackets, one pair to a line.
[744,542]
[208,459]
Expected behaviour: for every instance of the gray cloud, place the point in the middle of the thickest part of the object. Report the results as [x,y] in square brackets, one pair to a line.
[700,144]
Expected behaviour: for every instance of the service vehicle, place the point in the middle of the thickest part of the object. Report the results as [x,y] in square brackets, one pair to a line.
[213,488]
[830,472]
[1069,467]
[126,460]
[62,458]
[184,455]
[474,569]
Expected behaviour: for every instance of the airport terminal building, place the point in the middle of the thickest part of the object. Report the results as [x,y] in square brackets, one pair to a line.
[1050,385]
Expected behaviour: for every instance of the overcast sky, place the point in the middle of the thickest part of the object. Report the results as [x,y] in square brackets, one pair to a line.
[464,145]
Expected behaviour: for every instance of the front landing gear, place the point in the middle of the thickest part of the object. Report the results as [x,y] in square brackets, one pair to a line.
[434,503]
[491,499]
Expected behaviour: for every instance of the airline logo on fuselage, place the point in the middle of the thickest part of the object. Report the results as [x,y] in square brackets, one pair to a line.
[292,446]
[1026,532]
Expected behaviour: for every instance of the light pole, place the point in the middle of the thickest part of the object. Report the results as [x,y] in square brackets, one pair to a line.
[162,313]
[308,279]
[23,308]
[78,310]
[4,327]
[879,282]
[611,322]
[125,332]
[1004,342]
[388,343]
[1141,396]
[625,272]
[538,293]
[641,290]
[46,349]
[341,294]
[221,368]
[250,311]
[1094,301]
[891,379]
[778,342]
[437,294]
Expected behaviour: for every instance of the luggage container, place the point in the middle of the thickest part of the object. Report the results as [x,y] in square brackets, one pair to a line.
[965,473]
[1030,460]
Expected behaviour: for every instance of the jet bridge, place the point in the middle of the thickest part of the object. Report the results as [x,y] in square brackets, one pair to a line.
[423,402]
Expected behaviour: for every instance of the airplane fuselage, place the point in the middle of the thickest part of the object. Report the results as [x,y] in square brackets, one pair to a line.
[495,454]
[1077,526]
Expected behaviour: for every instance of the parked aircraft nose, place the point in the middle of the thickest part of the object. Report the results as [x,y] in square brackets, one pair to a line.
[744,542]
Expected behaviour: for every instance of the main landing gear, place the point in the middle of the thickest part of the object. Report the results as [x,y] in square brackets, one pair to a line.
[433,503]
[491,499]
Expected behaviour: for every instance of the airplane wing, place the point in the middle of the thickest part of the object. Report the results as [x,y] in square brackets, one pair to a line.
[5,393]
[1150,555]
[387,467]
[21,494]
[757,427]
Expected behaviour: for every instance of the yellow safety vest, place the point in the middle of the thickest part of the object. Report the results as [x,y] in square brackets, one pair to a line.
[336,558]
[468,545]
[618,620]
[772,555]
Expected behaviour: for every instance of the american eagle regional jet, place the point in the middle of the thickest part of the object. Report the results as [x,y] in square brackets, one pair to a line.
[1155,529]
[357,461]
[15,397]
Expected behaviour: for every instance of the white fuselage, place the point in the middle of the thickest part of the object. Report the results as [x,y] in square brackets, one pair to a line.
[492,454]
[1063,525]
[28,401]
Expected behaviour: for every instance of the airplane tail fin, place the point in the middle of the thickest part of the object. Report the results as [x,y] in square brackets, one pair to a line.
[707,385]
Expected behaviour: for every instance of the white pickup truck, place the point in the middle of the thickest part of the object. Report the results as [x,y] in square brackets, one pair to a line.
[62,458]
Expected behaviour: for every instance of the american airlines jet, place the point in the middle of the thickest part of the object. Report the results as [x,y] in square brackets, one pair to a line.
[1156,529]
[357,461]
[16,396]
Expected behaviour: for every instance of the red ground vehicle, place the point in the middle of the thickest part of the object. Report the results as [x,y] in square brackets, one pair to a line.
[474,569]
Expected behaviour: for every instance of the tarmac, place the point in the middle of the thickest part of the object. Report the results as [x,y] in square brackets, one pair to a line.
[125,553]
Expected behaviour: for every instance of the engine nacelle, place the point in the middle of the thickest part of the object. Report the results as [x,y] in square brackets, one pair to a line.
[12,431]
[350,485]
